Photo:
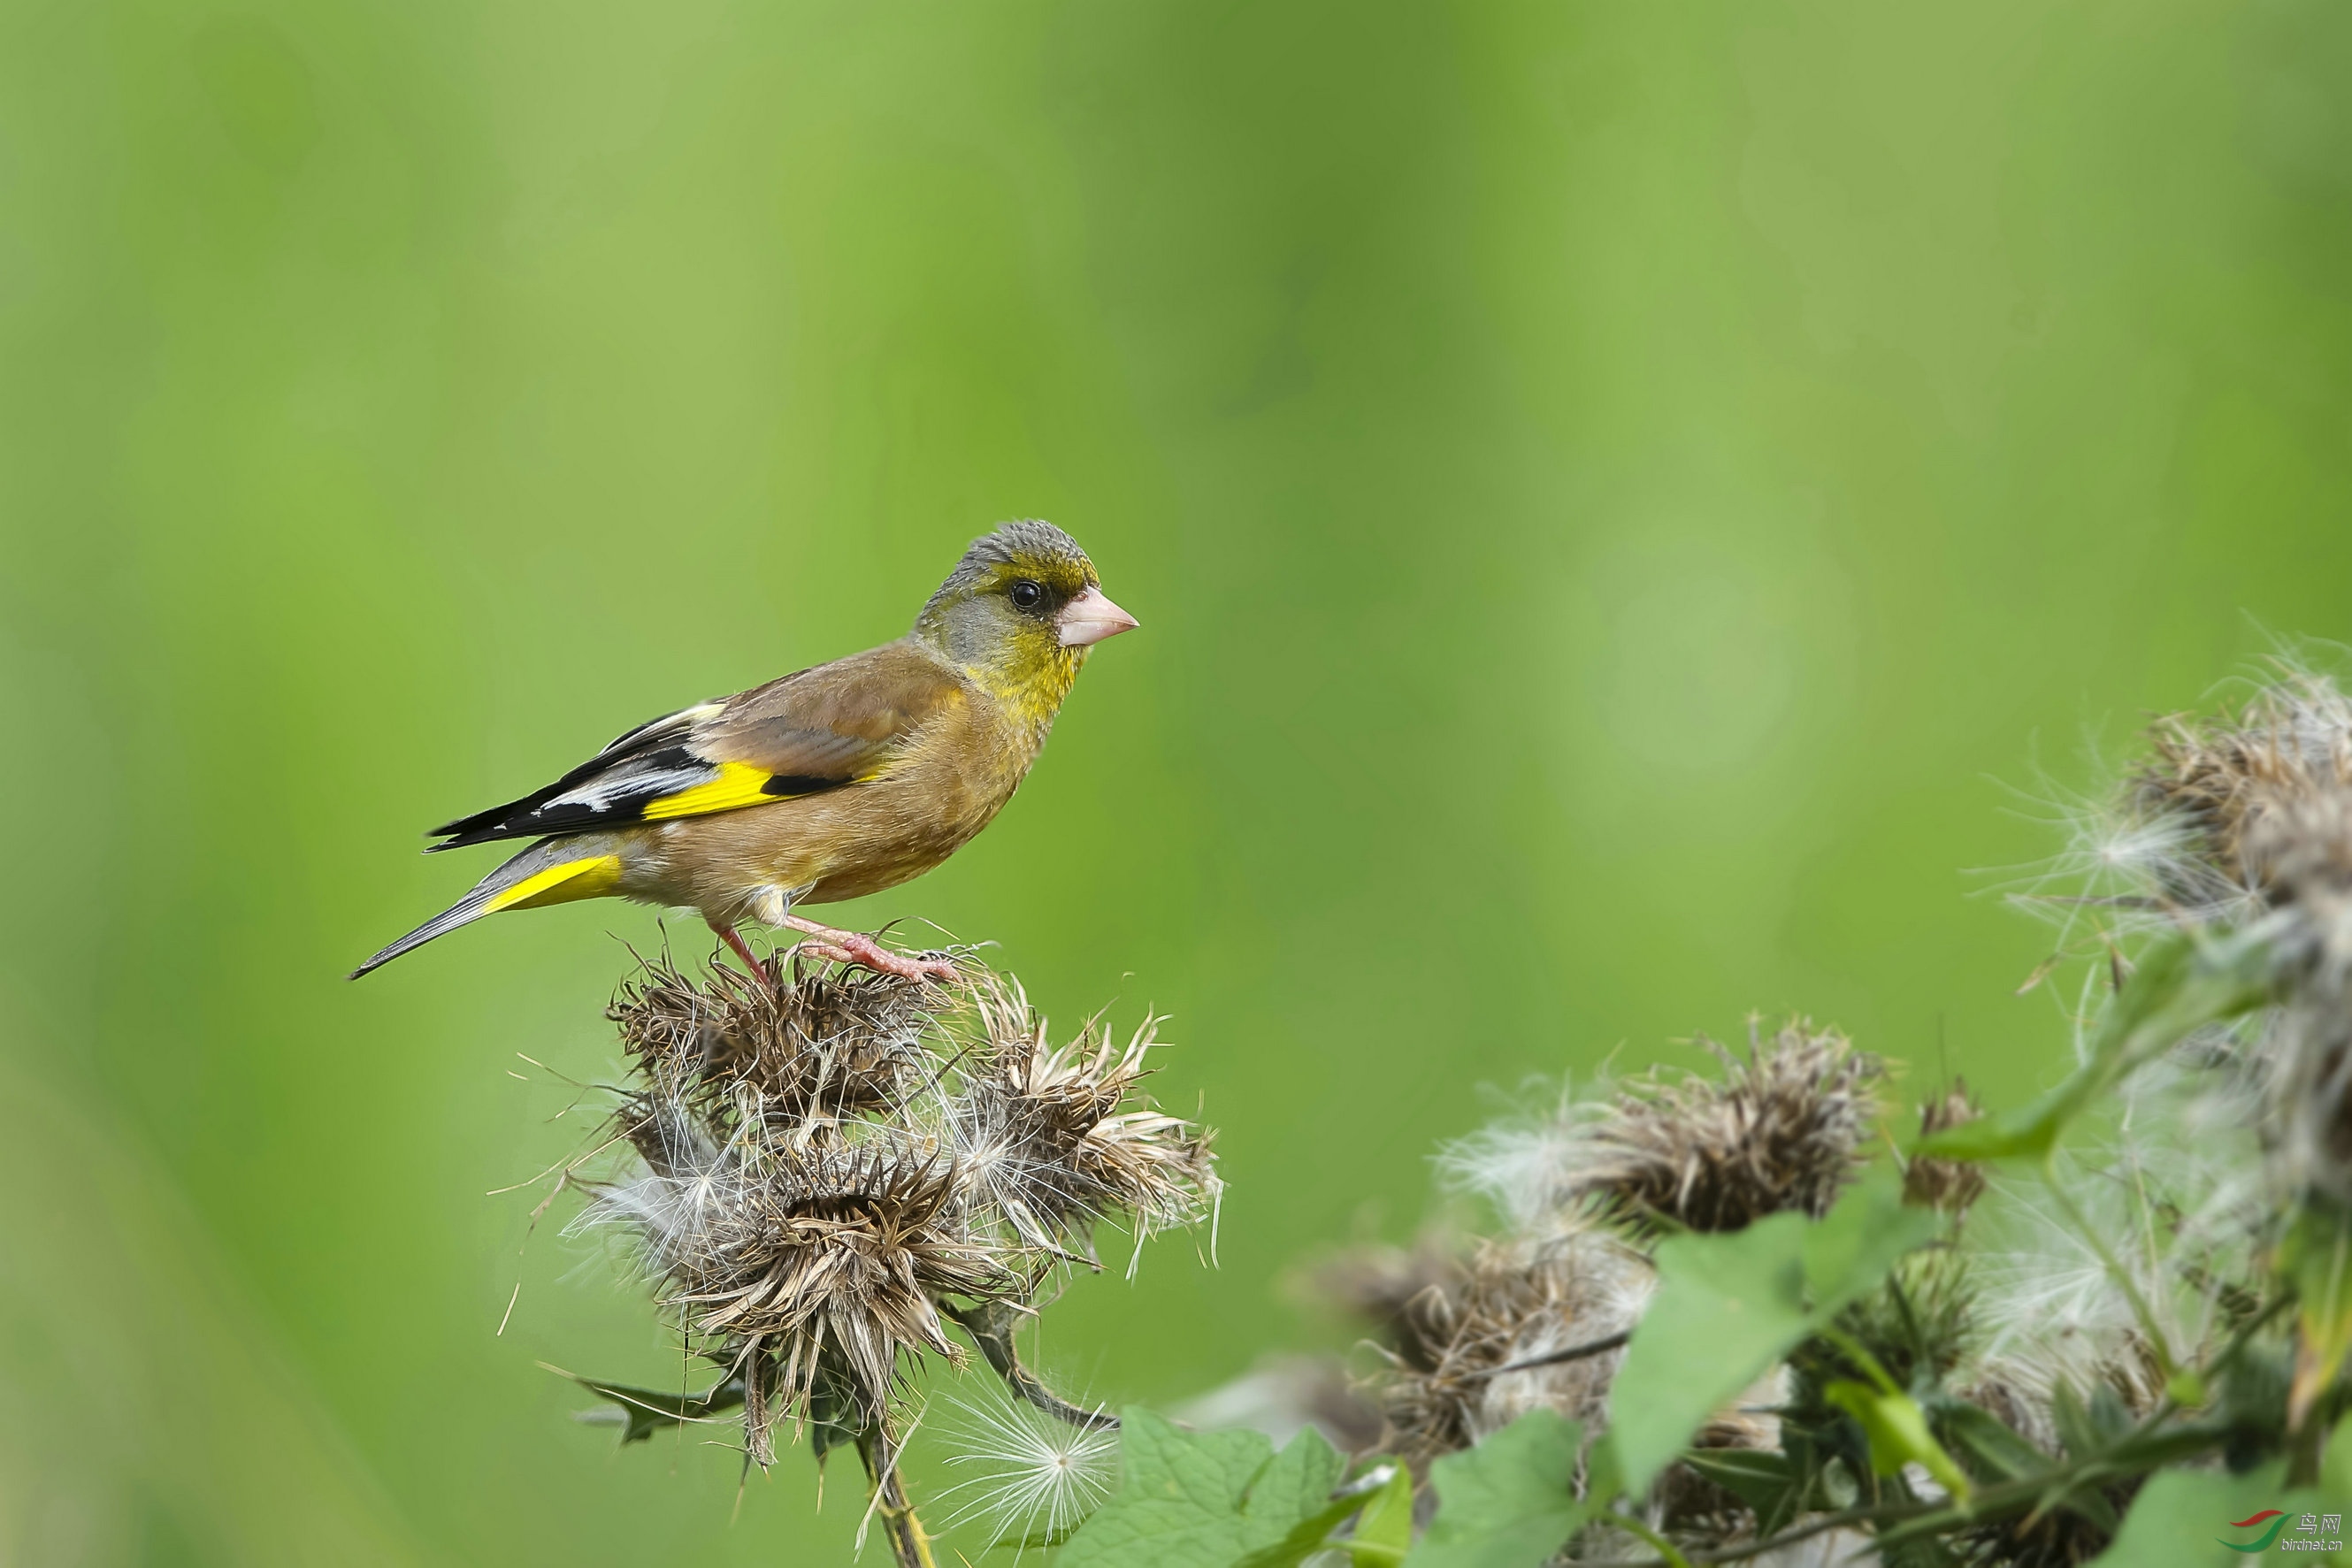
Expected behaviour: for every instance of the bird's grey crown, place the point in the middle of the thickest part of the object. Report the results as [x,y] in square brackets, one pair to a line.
[1029,538]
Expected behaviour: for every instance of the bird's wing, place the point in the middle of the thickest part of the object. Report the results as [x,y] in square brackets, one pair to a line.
[817,729]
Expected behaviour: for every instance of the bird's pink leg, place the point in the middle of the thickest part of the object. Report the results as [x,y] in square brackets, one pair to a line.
[848,947]
[734,938]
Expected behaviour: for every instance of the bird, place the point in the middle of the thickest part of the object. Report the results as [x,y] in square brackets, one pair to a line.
[829,783]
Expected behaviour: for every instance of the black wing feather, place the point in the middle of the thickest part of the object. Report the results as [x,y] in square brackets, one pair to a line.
[654,738]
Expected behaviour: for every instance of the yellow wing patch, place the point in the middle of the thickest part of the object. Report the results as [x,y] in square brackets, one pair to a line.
[592,877]
[738,784]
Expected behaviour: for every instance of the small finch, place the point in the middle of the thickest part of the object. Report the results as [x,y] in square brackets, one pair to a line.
[826,784]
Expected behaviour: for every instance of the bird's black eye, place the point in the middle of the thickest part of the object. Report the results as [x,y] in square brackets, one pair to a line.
[1027,595]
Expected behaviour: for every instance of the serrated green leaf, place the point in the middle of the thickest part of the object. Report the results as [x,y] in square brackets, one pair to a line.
[1511,1502]
[1297,1487]
[1898,1431]
[1384,1531]
[1298,1483]
[1203,1499]
[2182,1519]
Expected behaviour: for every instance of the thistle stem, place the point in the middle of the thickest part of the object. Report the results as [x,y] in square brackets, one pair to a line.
[990,1326]
[2140,1450]
[1668,1552]
[909,1542]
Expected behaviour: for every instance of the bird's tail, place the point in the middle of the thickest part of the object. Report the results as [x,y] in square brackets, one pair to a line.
[553,870]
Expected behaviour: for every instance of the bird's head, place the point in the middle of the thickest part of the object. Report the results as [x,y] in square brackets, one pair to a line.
[1020,609]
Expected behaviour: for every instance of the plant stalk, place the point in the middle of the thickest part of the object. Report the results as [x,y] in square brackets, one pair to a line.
[909,1542]
[990,1325]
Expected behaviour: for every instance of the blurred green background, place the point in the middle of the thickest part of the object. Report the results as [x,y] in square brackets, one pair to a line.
[1619,498]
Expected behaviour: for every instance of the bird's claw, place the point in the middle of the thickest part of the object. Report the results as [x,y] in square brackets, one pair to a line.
[865,953]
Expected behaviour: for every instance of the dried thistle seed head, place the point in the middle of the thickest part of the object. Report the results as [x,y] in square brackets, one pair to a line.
[838,1042]
[825,1161]
[1050,1138]
[1379,1286]
[1508,1302]
[2252,809]
[2255,801]
[1284,1394]
[788,1259]
[1780,1129]
[1950,1186]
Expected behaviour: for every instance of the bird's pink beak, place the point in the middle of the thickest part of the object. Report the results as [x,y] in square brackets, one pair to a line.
[1089,618]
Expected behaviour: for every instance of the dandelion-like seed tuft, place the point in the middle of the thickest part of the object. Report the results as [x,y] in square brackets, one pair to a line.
[1028,1476]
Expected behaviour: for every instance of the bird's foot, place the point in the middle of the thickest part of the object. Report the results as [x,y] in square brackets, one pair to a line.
[760,969]
[850,947]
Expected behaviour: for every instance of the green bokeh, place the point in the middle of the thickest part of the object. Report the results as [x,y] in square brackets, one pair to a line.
[1621,499]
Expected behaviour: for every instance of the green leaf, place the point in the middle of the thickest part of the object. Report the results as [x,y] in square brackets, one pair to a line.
[2335,1464]
[1297,1487]
[2185,1518]
[2182,985]
[1768,1482]
[2182,1519]
[1510,1501]
[1305,1539]
[1897,1430]
[1384,1533]
[1727,1307]
[645,1411]
[1297,1484]
[1204,1500]
[2318,1257]
[1850,1252]
[1985,1443]
[1992,1452]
